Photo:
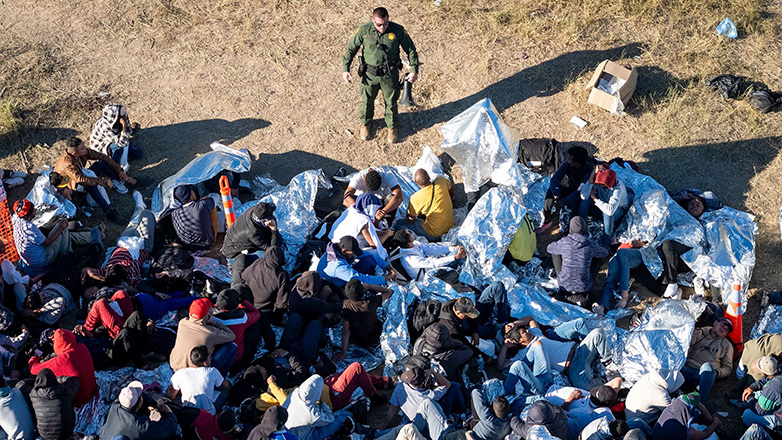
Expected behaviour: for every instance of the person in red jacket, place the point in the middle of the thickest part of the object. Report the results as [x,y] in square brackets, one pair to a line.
[109,317]
[72,360]
[242,318]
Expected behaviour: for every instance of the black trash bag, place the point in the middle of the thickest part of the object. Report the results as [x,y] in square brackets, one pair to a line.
[764,101]
[730,86]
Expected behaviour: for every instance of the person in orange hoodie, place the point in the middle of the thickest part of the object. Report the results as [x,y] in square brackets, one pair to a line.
[73,360]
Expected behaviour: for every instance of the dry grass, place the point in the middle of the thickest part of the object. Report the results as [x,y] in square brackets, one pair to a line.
[10,117]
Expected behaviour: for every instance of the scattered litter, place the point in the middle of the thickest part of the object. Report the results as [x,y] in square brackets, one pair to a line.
[734,87]
[722,413]
[104,93]
[437,2]
[524,56]
[350,133]
[580,123]
[727,28]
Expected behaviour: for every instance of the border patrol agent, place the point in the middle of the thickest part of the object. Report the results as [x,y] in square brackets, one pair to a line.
[379,67]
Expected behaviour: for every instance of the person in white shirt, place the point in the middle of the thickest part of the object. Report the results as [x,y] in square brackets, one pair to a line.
[609,195]
[201,387]
[383,185]
[416,258]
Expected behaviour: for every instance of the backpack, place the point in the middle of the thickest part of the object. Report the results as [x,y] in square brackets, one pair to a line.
[424,314]
[539,155]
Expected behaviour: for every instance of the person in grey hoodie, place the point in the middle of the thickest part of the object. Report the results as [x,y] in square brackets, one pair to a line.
[308,418]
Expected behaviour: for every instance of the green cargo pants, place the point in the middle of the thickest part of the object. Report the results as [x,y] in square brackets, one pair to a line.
[370,86]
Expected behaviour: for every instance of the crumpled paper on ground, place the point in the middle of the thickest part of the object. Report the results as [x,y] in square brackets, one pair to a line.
[295,214]
[201,168]
[486,233]
[484,146]
[661,341]
[89,418]
[48,202]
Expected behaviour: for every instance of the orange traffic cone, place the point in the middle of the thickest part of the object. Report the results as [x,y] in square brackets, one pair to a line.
[228,203]
[734,314]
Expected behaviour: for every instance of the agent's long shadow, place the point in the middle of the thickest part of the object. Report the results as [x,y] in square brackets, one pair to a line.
[284,166]
[170,147]
[726,168]
[544,79]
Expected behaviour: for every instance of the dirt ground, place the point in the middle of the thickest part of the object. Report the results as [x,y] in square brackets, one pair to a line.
[266,76]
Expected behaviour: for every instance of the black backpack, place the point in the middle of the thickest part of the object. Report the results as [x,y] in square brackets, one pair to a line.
[423,314]
[539,155]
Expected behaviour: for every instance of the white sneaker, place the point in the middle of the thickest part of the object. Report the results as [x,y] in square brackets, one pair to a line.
[139,200]
[673,291]
[699,284]
[119,186]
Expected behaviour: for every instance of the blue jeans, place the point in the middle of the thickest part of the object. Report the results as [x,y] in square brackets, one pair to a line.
[417,227]
[770,422]
[97,197]
[223,357]
[756,431]
[324,431]
[703,377]
[574,330]
[532,386]
[305,344]
[453,400]
[619,273]
[493,296]
[593,348]
[134,153]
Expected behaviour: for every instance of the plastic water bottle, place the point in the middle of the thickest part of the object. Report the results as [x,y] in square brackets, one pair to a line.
[727,28]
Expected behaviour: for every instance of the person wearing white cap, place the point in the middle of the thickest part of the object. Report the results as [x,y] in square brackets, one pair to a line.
[763,399]
[139,417]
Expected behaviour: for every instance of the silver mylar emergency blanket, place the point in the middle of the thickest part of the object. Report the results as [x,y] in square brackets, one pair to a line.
[89,418]
[530,299]
[484,146]
[486,233]
[722,242]
[661,341]
[201,168]
[770,322]
[48,202]
[295,214]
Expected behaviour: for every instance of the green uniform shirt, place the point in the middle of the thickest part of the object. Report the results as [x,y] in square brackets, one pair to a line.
[380,47]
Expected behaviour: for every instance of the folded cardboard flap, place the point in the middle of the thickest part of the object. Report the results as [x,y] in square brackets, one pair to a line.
[606,70]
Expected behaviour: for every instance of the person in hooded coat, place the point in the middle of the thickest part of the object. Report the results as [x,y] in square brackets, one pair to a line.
[542,413]
[308,418]
[573,257]
[111,134]
[651,395]
[254,230]
[264,283]
[73,360]
[271,426]
[311,299]
[241,317]
[52,400]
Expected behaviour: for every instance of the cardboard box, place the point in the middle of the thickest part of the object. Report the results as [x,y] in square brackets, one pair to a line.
[612,76]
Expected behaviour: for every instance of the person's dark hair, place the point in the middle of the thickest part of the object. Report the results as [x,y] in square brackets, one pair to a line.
[514,334]
[226,420]
[72,142]
[2,381]
[373,180]
[199,355]
[354,290]
[618,428]
[32,301]
[380,13]
[115,275]
[402,237]
[579,154]
[501,407]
